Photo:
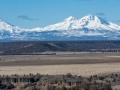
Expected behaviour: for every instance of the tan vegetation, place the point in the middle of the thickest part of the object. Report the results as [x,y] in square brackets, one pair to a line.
[75,69]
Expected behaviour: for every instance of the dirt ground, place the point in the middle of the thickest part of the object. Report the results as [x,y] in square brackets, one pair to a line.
[59,59]
[75,69]
[84,64]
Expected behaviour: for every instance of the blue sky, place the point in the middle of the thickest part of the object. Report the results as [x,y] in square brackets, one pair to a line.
[40,13]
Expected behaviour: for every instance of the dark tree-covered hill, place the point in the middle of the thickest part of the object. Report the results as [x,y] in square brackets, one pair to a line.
[19,48]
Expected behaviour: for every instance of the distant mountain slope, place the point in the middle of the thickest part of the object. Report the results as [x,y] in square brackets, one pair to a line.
[89,27]
[19,48]
[90,22]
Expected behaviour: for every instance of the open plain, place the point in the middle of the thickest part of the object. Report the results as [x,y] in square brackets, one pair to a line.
[77,63]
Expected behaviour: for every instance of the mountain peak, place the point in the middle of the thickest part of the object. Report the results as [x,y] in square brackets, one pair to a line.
[91,22]
[71,18]
[1,20]
[90,17]
[88,26]
[5,26]
[95,18]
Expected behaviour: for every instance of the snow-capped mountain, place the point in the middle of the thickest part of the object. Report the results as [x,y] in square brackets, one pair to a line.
[89,27]
[5,26]
[90,22]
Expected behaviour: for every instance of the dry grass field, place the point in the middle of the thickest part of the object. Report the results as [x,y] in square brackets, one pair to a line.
[75,69]
[84,64]
[61,58]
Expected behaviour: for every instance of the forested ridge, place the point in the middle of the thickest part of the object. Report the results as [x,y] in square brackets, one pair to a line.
[20,48]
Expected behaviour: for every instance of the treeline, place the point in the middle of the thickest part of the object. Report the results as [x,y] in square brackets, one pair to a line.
[21,48]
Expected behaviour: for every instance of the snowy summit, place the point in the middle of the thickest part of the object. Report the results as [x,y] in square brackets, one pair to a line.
[89,21]
[88,27]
